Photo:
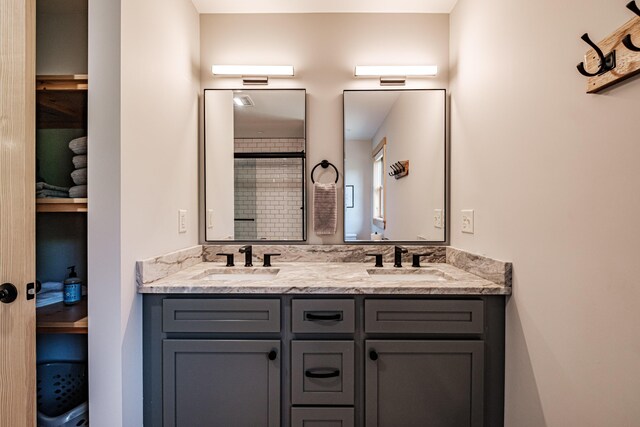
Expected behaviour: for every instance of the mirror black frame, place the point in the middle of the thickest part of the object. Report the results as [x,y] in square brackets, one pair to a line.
[203,182]
[447,187]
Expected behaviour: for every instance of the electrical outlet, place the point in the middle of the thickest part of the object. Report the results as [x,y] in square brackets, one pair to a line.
[467,221]
[437,218]
[209,218]
[182,221]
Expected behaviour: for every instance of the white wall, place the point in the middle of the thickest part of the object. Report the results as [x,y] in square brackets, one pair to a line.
[143,132]
[61,42]
[359,170]
[552,174]
[219,162]
[324,49]
[411,200]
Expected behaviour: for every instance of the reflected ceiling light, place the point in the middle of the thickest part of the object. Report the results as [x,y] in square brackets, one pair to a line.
[395,74]
[253,74]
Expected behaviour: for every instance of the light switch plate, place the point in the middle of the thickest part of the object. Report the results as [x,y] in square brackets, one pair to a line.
[209,218]
[182,221]
[467,221]
[437,218]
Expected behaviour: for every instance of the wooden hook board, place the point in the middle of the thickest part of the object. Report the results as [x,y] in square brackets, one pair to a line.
[627,62]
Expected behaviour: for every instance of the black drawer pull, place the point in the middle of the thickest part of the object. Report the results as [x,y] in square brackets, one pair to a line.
[312,316]
[373,355]
[273,354]
[322,373]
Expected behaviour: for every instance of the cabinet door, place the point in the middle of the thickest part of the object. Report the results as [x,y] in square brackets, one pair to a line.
[424,383]
[221,383]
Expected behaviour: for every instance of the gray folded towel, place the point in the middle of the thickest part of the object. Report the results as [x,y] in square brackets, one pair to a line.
[79,145]
[79,191]
[80,161]
[44,186]
[42,194]
[325,208]
[52,287]
[79,176]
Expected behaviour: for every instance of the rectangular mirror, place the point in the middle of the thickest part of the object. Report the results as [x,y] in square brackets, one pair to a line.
[394,165]
[254,150]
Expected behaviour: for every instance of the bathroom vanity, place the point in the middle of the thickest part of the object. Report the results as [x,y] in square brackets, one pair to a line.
[314,340]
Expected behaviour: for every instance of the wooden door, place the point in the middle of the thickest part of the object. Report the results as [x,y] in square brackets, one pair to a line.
[17,211]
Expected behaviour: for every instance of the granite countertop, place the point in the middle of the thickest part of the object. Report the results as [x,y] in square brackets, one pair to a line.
[323,278]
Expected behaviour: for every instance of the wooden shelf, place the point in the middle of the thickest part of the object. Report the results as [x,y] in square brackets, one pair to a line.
[61,101]
[61,205]
[62,82]
[62,319]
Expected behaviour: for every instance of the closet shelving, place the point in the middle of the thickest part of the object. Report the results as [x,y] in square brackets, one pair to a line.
[61,103]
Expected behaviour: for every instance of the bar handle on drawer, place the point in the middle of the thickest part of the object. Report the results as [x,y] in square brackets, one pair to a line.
[322,373]
[272,355]
[373,355]
[316,316]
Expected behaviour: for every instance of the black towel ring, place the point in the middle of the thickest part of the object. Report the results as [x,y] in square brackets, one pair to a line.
[325,164]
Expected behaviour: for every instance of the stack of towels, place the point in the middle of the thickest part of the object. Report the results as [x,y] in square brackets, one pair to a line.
[51,293]
[79,175]
[44,190]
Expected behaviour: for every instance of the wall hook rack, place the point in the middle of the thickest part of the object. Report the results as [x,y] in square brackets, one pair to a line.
[399,169]
[627,41]
[607,62]
[624,60]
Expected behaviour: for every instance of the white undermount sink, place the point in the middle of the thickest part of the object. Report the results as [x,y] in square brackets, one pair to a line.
[408,275]
[239,274]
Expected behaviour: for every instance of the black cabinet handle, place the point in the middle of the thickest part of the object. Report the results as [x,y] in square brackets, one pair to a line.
[322,373]
[8,293]
[273,354]
[315,316]
[373,355]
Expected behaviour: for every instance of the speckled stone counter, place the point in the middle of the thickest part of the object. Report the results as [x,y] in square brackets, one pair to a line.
[182,273]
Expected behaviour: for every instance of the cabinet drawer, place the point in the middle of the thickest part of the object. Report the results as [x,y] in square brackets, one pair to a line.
[221,315]
[323,316]
[424,316]
[322,372]
[322,417]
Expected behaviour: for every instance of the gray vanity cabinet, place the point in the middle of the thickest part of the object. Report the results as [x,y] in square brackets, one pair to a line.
[424,383]
[334,361]
[221,383]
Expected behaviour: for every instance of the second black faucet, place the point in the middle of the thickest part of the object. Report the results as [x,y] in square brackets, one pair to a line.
[247,250]
[399,250]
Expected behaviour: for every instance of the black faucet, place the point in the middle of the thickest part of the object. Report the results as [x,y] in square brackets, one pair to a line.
[399,250]
[248,255]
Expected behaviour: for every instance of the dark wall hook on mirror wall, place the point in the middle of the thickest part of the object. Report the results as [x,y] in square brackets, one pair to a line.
[627,41]
[607,62]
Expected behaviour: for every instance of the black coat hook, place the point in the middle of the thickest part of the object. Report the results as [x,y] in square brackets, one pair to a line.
[628,43]
[607,63]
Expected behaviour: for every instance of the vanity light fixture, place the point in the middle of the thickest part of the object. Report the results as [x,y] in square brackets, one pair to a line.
[395,75]
[253,74]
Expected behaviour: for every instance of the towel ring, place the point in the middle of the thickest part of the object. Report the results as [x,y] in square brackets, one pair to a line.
[325,164]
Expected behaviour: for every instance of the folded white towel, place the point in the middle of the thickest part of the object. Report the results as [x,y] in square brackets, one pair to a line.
[44,186]
[325,208]
[43,194]
[79,176]
[48,298]
[80,161]
[79,145]
[51,287]
[79,191]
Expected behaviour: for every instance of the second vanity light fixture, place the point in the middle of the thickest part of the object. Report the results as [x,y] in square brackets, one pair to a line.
[395,75]
[253,74]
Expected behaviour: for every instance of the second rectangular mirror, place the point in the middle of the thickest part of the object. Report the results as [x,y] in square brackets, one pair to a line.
[254,149]
[394,165]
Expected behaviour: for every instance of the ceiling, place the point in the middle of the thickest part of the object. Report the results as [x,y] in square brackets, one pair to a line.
[275,114]
[365,111]
[324,6]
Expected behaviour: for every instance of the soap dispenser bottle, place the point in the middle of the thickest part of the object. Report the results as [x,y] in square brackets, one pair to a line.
[72,287]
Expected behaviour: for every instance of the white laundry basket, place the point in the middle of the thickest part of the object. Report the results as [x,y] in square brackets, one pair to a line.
[62,394]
